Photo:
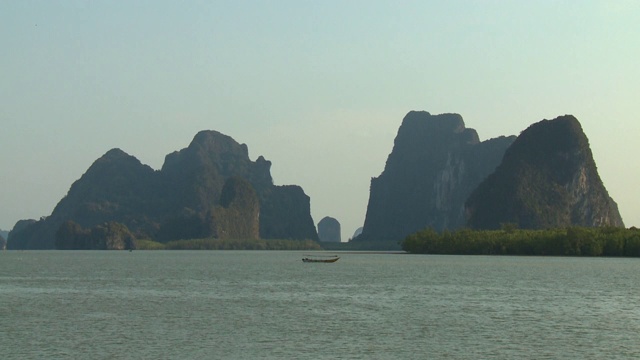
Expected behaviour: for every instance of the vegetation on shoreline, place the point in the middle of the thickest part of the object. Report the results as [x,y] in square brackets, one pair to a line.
[360,246]
[229,244]
[572,241]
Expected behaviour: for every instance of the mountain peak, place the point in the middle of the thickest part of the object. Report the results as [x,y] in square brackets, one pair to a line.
[435,164]
[548,178]
[216,142]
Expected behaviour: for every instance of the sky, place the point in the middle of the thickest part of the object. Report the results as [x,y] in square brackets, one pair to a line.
[319,88]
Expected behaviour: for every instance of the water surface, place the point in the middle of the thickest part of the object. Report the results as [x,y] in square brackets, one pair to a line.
[271,305]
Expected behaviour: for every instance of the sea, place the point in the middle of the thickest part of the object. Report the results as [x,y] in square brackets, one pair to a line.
[271,305]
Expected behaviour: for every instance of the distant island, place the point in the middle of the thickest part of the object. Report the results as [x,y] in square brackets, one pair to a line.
[442,191]
[329,230]
[211,189]
[435,164]
[439,176]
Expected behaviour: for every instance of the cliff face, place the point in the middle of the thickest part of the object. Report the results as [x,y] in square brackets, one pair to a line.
[435,164]
[284,214]
[237,216]
[548,178]
[107,236]
[186,199]
[199,171]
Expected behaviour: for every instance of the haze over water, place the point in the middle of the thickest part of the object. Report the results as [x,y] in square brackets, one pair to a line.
[270,305]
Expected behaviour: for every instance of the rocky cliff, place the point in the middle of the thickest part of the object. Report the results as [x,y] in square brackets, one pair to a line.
[185,199]
[285,214]
[547,179]
[435,164]
[329,230]
[237,216]
[115,188]
[197,175]
[107,236]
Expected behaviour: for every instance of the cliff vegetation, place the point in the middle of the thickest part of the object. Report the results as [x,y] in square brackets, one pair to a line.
[229,244]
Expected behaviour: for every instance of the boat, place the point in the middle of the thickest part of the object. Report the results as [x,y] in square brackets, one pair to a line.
[318,259]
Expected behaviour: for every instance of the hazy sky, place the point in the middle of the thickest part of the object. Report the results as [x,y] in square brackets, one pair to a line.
[317,87]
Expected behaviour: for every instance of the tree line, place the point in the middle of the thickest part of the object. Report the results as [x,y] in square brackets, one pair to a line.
[116,236]
[229,244]
[571,241]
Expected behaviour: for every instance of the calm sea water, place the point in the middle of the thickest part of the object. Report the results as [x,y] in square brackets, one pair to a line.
[271,305]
